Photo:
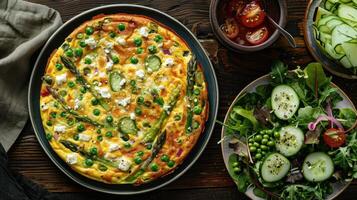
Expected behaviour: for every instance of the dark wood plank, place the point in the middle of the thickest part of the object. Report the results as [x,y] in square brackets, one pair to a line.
[233,71]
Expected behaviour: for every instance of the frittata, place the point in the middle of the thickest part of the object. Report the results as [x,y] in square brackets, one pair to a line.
[123,99]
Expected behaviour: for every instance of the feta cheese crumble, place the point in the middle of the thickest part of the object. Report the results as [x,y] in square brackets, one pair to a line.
[109,64]
[71,158]
[132,116]
[61,79]
[123,102]
[104,92]
[124,164]
[168,62]
[144,31]
[84,137]
[77,104]
[121,41]
[59,128]
[91,43]
[140,73]
[113,147]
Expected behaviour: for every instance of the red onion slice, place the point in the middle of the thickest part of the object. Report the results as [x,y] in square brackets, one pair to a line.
[312,125]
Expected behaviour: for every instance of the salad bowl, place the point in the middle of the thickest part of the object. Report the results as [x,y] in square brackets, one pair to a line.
[227,150]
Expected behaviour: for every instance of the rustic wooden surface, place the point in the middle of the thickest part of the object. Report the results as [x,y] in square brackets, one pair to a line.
[207,179]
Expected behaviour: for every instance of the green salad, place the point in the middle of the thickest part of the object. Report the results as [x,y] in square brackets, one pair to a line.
[290,139]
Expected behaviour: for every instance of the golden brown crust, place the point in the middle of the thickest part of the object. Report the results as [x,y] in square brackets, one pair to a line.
[105,42]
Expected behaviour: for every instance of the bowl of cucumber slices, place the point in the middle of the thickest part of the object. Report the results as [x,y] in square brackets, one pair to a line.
[330,31]
[291,135]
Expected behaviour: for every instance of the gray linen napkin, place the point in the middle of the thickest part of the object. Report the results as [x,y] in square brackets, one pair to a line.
[24,28]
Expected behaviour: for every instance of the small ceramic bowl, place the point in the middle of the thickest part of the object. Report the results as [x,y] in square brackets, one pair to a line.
[278,11]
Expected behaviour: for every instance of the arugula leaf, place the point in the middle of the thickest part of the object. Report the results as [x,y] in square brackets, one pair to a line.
[315,77]
[248,114]
[297,191]
[348,115]
[330,93]
[264,91]
[278,72]
[259,193]
[308,114]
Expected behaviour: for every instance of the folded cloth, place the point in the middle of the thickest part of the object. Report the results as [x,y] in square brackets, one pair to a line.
[14,186]
[24,28]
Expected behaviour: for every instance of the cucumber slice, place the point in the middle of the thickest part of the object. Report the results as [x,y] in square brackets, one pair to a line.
[344,1]
[290,141]
[325,37]
[350,49]
[115,80]
[332,52]
[322,13]
[333,23]
[324,29]
[317,167]
[326,19]
[347,12]
[152,63]
[342,33]
[274,167]
[284,101]
[345,62]
[127,126]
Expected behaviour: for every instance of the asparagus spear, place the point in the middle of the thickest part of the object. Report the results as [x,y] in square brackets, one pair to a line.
[158,144]
[155,129]
[191,71]
[69,109]
[73,69]
[75,148]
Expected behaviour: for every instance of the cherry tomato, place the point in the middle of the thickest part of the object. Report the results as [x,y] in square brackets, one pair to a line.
[252,15]
[234,7]
[230,28]
[258,36]
[334,138]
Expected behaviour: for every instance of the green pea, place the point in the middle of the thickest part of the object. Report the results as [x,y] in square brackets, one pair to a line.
[140,153]
[258,138]
[82,43]
[69,52]
[71,84]
[138,111]
[99,131]
[79,35]
[83,90]
[109,119]
[271,143]
[258,156]
[195,125]
[197,110]
[158,38]
[140,100]
[127,145]
[115,59]
[237,169]
[152,49]
[121,27]
[154,167]
[259,150]
[88,162]
[103,168]
[99,138]
[165,158]
[256,144]
[266,136]
[196,91]
[88,61]
[138,160]
[76,137]
[251,140]
[269,131]
[134,60]
[93,151]
[264,141]
[253,149]
[149,146]
[138,41]
[89,30]
[177,117]
[80,128]
[59,66]
[108,134]
[235,164]
[78,52]
[263,153]
[63,114]
[250,144]
[49,123]
[96,112]
[139,50]
[263,147]
[171,163]
[94,102]
[112,34]
[49,136]
[276,134]
[195,101]
[53,114]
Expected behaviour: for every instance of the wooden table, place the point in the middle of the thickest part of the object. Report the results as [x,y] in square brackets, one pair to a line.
[208,178]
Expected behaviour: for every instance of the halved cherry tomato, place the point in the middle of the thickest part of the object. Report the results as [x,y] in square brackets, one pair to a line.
[252,15]
[44,92]
[258,36]
[230,28]
[334,138]
[234,7]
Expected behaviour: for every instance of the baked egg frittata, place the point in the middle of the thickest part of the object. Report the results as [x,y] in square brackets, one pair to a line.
[123,99]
